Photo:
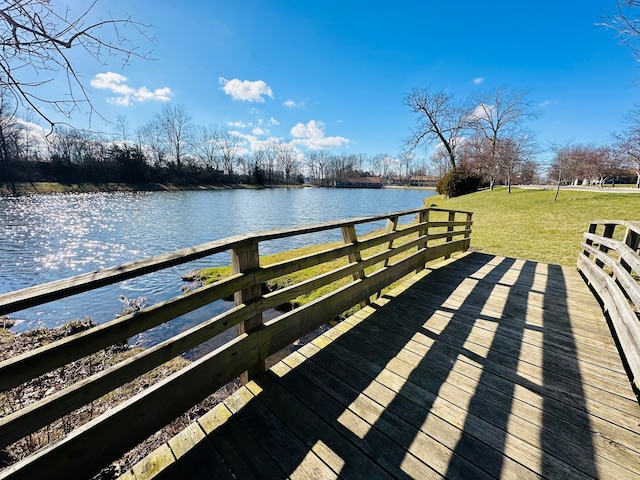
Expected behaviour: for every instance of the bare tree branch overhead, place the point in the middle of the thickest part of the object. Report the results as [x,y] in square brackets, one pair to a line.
[626,21]
[37,39]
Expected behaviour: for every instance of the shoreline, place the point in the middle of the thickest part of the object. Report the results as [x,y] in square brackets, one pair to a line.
[43,188]
[37,188]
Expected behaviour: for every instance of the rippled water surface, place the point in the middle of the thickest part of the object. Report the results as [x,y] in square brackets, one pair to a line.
[48,237]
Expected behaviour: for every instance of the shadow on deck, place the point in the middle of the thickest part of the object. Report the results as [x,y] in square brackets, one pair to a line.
[482,367]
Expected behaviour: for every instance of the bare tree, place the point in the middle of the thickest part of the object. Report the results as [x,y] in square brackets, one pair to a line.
[561,167]
[258,165]
[287,159]
[626,22]
[206,146]
[151,141]
[440,162]
[175,130]
[406,163]
[318,164]
[627,144]
[498,116]
[228,147]
[121,129]
[36,38]
[439,118]
[31,143]
[9,133]
[584,163]
[511,155]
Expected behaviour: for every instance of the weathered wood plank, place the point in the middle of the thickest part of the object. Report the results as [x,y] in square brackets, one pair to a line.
[196,456]
[443,421]
[282,445]
[369,355]
[440,367]
[373,442]
[423,391]
[319,436]
[378,404]
[247,259]
[620,294]
[625,320]
[244,456]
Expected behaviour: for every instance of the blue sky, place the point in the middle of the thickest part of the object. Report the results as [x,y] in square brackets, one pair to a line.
[333,74]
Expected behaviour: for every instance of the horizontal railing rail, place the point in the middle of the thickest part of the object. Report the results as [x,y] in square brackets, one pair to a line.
[363,265]
[610,261]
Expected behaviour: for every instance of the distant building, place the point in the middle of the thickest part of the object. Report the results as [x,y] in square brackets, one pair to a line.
[423,181]
[360,182]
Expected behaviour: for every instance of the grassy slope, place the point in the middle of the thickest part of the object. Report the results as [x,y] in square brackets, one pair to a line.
[528,224]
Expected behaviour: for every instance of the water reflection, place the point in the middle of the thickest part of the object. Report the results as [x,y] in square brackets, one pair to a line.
[47,237]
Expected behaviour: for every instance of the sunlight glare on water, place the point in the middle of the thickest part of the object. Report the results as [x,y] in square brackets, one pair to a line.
[48,237]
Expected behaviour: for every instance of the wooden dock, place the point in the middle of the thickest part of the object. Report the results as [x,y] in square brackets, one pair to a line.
[481,367]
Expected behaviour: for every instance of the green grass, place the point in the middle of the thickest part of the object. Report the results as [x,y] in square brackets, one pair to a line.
[528,224]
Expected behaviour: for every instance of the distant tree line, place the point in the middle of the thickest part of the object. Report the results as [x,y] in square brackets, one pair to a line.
[171,149]
[483,140]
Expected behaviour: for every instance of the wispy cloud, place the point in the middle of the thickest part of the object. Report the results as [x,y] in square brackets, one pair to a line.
[546,103]
[292,104]
[312,136]
[273,121]
[125,93]
[477,80]
[237,124]
[246,90]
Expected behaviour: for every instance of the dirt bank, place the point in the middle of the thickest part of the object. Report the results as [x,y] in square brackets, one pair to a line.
[29,188]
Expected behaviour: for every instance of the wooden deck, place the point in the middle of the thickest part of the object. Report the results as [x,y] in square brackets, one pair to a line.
[483,367]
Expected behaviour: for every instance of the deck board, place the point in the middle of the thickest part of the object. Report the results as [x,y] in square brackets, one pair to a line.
[483,367]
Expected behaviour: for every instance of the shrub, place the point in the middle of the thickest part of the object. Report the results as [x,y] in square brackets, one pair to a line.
[458,182]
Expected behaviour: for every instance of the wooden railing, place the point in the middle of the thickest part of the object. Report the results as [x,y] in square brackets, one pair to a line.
[610,261]
[369,264]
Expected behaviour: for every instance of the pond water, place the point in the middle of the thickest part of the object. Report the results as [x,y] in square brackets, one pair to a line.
[48,237]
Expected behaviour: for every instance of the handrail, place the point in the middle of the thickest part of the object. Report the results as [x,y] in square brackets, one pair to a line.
[610,262]
[368,265]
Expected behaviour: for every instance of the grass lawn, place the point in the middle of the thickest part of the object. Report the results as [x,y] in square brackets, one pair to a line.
[528,224]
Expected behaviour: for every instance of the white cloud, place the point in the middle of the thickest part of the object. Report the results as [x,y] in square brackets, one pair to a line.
[259,131]
[312,136]
[273,121]
[126,94]
[477,80]
[246,90]
[292,104]
[547,103]
[482,111]
[34,135]
[237,124]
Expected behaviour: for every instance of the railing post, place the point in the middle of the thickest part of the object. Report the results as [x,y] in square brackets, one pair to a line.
[470,220]
[244,259]
[424,218]
[452,218]
[632,240]
[392,225]
[592,229]
[609,229]
[349,235]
